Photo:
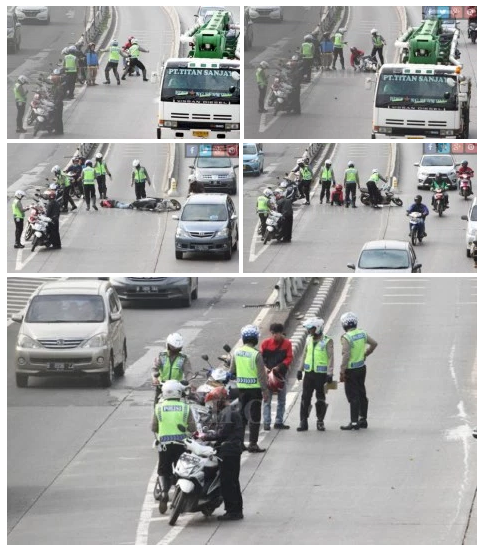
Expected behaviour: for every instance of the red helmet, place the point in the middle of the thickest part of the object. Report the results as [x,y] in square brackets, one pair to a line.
[218,394]
[338,187]
[275,383]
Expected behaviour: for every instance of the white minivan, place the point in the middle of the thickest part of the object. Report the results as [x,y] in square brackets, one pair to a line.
[471,227]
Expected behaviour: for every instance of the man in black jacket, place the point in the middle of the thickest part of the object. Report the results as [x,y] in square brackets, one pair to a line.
[53,212]
[284,206]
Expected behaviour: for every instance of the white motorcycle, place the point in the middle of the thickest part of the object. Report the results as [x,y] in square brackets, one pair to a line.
[40,228]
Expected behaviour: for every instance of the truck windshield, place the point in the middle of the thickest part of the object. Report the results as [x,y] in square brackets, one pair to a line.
[200,85]
[416,92]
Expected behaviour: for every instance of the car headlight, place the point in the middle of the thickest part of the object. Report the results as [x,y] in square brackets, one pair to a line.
[97,341]
[223,233]
[254,160]
[181,233]
[24,341]
[231,174]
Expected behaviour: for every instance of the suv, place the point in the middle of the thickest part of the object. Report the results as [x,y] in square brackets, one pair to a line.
[154,289]
[33,14]
[71,327]
[430,164]
[208,223]
[253,159]
[13,32]
[471,227]
[217,174]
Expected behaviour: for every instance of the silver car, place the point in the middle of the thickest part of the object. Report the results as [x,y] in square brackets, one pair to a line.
[387,256]
[71,327]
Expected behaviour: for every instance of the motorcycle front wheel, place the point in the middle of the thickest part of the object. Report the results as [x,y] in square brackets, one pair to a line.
[397,201]
[36,128]
[267,237]
[175,205]
[178,508]
[440,209]
[29,232]
[414,236]
[34,243]
[365,199]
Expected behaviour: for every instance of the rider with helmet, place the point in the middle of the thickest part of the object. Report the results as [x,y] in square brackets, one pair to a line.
[101,169]
[356,56]
[419,207]
[126,59]
[170,412]
[247,364]
[133,53]
[139,178]
[277,357]
[113,60]
[53,212]
[63,180]
[440,183]
[353,369]
[372,188]
[464,170]
[318,370]
[378,43]
[351,183]
[20,94]
[327,179]
[18,211]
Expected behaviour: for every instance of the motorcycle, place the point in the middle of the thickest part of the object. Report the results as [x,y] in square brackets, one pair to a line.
[366,64]
[388,197]
[465,186]
[45,119]
[281,96]
[40,227]
[472,32]
[416,227]
[198,483]
[439,202]
[291,190]
[34,211]
[219,376]
[75,185]
[273,227]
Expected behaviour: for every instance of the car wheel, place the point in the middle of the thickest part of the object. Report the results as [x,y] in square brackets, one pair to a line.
[194,294]
[107,377]
[21,380]
[234,248]
[261,170]
[228,253]
[468,252]
[179,255]
[186,301]
[233,191]
[121,368]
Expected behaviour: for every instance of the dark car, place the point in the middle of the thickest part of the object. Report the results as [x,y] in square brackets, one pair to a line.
[13,32]
[207,224]
[217,174]
[153,289]
[249,31]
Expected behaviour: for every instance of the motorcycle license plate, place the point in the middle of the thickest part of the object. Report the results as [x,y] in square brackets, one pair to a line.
[147,289]
[201,134]
[60,366]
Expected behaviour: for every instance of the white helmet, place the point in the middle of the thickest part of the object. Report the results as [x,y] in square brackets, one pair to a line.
[23,79]
[250,332]
[136,162]
[55,169]
[175,340]
[328,162]
[114,42]
[349,320]
[279,192]
[53,186]
[19,194]
[99,155]
[316,323]
[375,171]
[264,64]
[350,164]
[300,160]
[342,30]
[267,192]
[374,31]
[171,389]
[134,41]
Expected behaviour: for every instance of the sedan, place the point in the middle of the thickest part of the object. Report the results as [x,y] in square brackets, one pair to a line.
[430,164]
[266,12]
[387,256]
[154,289]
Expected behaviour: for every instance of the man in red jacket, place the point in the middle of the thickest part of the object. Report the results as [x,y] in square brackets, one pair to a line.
[277,356]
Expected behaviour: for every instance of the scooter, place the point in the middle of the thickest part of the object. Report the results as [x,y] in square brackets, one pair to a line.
[40,227]
[273,227]
[34,211]
[290,188]
[416,227]
[465,186]
[388,197]
[45,120]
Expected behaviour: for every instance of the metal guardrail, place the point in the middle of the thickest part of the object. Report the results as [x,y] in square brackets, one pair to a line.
[98,21]
[287,289]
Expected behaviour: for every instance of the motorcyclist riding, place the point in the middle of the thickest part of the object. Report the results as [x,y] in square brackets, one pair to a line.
[420,208]
[439,184]
[465,171]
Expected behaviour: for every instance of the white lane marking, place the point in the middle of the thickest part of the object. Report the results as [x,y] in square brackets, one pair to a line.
[403,303]
[403,295]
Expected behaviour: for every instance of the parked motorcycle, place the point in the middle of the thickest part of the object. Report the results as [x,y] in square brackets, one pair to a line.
[465,186]
[290,188]
[472,32]
[281,97]
[439,202]
[45,119]
[34,211]
[388,197]
[75,185]
[40,227]
[273,227]
[416,227]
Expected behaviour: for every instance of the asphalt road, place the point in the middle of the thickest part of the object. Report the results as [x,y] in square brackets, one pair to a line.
[326,238]
[110,240]
[410,478]
[335,104]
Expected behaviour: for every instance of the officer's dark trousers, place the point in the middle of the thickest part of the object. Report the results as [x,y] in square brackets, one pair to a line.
[306,189]
[135,62]
[374,193]
[21,109]
[313,382]
[71,80]
[250,400]
[350,190]
[101,185]
[263,218]
[112,65]
[67,199]
[19,227]
[140,190]
[379,51]
[261,98]
[325,189]
[287,223]
[307,66]
[167,459]
[89,192]
[229,467]
[54,233]
[338,52]
[355,390]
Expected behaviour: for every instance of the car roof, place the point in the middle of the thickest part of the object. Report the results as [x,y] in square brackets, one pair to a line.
[386,245]
[207,198]
[73,286]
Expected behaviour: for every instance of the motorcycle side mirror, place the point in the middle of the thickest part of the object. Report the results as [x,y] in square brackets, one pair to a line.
[205,357]
[226,347]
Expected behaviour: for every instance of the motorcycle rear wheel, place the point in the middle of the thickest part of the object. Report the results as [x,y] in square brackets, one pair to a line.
[178,503]
[34,243]
[267,237]
[365,199]
[175,205]
[29,232]
[397,201]
[440,209]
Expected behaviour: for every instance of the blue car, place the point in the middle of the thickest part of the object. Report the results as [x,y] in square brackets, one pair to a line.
[253,159]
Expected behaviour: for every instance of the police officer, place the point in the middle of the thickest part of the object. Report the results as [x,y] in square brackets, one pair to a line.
[63,180]
[307,53]
[70,65]
[263,208]
[372,188]
[139,177]
[113,61]
[326,180]
[247,365]
[353,369]
[89,184]
[20,94]
[351,183]
[306,179]
[101,169]
[338,44]
[318,370]
[170,412]
[377,45]
[262,82]
[18,212]
[134,54]
[53,212]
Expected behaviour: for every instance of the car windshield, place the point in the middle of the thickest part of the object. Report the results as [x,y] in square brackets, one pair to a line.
[384,259]
[473,216]
[435,161]
[213,162]
[249,150]
[66,308]
[204,212]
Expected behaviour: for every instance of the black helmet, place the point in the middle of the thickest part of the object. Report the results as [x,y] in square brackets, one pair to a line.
[418,199]
[464,162]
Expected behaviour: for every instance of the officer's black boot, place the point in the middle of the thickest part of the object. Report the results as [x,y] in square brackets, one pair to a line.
[144,74]
[302,426]
[165,482]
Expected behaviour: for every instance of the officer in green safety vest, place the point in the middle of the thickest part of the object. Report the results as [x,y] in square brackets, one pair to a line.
[327,179]
[139,178]
[262,82]
[89,184]
[20,95]
[63,180]
[70,65]
[18,211]
[247,364]
[318,370]
[101,169]
[171,364]
[351,183]
[353,369]
[263,205]
[306,174]
[372,188]
[377,45]
[307,53]
[171,413]
[134,54]
[338,44]
[113,61]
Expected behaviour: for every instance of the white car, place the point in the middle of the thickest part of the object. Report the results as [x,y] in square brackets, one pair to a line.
[471,227]
[33,13]
[430,164]
[387,256]
[266,12]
